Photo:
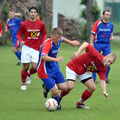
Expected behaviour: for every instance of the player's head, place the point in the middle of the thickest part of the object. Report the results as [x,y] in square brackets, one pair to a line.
[56,34]
[106,15]
[33,13]
[109,59]
[11,14]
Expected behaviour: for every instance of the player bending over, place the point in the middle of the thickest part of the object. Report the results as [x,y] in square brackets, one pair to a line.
[79,68]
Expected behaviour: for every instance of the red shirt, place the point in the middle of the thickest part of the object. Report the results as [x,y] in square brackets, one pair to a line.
[32,33]
[1,29]
[89,61]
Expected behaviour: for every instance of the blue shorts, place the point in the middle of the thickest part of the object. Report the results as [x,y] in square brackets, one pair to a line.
[105,48]
[15,43]
[55,79]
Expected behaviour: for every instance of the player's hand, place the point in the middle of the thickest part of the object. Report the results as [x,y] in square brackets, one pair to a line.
[59,59]
[106,95]
[74,55]
[22,43]
[111,39]
[75,43]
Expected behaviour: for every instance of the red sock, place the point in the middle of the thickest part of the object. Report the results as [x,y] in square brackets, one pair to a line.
[86,94]
[32,71]
[23,76]
[63,93]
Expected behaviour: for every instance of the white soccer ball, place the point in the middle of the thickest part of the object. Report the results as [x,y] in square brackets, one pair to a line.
[51,104]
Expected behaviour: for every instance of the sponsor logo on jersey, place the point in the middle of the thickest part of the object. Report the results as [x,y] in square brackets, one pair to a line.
[33,33]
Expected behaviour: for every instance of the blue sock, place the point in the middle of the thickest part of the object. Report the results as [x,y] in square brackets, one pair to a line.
[18,54]
[107,72]
[94,75]
[57,99]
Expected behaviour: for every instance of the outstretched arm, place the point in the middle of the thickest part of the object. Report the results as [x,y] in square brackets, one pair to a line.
[103,86]
[74,43]
[81,48]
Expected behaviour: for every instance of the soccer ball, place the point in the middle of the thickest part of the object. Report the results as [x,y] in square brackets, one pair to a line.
[51,104]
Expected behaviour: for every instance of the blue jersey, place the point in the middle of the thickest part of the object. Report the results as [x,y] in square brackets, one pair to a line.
[48,68]
[102,31]
[13,26]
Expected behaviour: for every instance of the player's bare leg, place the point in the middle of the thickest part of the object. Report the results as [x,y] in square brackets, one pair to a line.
[86,94]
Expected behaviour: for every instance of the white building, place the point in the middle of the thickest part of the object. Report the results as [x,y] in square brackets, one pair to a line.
[72,8]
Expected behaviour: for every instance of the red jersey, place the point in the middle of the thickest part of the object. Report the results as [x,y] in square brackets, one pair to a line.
[89,61]
[1,29]
[32,33]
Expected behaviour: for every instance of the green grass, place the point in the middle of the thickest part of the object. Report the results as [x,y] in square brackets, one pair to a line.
[29,105]
[116,26]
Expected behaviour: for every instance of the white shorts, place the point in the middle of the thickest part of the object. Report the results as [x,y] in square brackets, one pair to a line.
[71,75]
[29,55]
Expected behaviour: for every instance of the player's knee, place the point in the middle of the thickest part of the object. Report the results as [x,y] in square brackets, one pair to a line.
[70,87]
[14,50]
[54,91]
[92,89]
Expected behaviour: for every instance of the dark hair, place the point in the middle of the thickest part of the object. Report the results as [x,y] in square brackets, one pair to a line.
[105,11]
[33,7]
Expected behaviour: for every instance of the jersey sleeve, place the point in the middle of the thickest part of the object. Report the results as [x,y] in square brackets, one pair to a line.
[94,30]
[112,30]
[7,27]
[20,32]
[19,21]
[46,48]
[44,33]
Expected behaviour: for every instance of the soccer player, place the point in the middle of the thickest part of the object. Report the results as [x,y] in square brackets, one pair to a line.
[102,34]
[32,29]
[48,68]
[79,68]
[1,29]
[13,25]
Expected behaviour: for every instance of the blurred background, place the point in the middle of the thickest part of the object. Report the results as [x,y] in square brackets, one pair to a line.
[75,18]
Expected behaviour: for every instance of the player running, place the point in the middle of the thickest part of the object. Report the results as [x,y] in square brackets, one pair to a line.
[101,36]
[13,25]
[32,29]
[48,67]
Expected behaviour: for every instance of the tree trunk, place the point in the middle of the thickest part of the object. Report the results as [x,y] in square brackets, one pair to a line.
[45,13]
[89,18]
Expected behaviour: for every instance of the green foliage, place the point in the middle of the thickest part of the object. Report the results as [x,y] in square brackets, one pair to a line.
[83,2]
[5,12]
[95,12]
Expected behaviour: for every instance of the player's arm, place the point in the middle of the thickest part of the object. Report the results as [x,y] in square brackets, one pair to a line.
[74,43]
[48,58]
[103,87]
[44,33]
[93,32]
[111,38]
[7,27]
[19,34]
[81,48]
[92,37]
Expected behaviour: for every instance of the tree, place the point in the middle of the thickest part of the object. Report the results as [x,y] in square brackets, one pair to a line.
[45,14]
[91,14]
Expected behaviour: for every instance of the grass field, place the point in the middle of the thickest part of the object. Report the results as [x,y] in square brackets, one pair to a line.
[29,105]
